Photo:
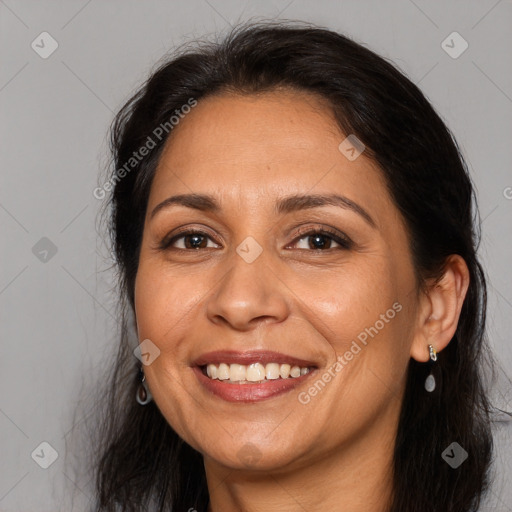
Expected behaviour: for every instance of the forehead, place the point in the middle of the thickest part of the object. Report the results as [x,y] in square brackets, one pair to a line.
[256,147]
[253,127]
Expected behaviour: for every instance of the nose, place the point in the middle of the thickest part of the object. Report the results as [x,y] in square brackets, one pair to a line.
[248,295]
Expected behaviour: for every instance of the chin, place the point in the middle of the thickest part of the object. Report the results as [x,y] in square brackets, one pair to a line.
[254,456]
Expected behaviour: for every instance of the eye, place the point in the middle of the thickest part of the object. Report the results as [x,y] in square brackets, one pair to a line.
[322,239]
[315,239]
[189,240]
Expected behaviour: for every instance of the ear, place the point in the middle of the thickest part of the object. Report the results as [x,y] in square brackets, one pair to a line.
[440,307]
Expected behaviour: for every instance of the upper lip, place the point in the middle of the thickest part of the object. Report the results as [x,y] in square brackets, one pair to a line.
[250,356]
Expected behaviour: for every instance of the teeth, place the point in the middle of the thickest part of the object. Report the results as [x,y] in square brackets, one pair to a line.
[236,372]
[284,371]
[255,372]
[223,372]
[211,371]
[272,371]
[295,371]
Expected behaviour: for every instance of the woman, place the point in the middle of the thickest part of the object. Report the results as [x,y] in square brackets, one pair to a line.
[293,227]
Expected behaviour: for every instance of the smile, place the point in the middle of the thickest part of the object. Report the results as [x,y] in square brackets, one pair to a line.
[251,376]
[253,373]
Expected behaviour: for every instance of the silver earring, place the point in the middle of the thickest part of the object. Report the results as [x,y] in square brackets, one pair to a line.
[430,381]
[143,395]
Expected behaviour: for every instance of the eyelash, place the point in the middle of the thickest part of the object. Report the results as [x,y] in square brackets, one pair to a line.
[342,240]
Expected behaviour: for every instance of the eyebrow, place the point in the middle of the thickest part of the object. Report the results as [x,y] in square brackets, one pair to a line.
[204,202]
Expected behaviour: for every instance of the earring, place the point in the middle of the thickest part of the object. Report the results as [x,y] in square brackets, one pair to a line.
[143,395]
[430,381]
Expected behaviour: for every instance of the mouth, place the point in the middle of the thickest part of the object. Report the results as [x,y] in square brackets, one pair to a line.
[251,376]
[254,373]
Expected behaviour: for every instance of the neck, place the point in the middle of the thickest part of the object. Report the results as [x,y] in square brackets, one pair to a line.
[353,478]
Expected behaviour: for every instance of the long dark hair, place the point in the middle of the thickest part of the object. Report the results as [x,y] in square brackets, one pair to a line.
[142,464]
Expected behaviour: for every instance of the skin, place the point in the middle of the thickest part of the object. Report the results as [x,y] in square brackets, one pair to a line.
[336,450]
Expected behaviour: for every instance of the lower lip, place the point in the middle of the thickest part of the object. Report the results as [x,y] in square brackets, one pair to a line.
[249,392]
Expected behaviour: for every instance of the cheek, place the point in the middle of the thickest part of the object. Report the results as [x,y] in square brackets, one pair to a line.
[363,315]
[349,299]
[164,309]
[164,302]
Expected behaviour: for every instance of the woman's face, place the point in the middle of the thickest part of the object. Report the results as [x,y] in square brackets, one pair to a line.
[255,294]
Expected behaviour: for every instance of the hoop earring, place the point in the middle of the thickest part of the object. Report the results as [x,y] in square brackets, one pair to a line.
[430,381]
[143,395]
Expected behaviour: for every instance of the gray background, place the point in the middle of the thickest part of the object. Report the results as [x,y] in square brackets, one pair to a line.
[57,310]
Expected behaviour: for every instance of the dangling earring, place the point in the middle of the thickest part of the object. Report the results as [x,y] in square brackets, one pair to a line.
[430,381]
[143,395]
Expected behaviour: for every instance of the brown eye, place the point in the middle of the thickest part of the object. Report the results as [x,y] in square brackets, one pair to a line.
[322,239]
[188,240]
